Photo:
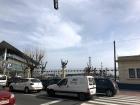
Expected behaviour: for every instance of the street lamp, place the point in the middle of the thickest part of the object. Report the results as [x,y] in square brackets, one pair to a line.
[55,4]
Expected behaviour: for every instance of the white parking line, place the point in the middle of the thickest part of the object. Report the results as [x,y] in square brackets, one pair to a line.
[52,102]
[30,94]
[116,101]
[86,104]
[122,99]
[97,102]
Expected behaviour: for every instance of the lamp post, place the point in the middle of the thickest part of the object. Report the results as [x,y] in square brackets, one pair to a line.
[114,60]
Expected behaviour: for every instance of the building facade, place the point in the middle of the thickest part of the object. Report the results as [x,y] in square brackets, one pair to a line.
[129,69]
[12,60]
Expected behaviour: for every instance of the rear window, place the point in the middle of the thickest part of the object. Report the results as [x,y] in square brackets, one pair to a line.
[91,81]
[35,80]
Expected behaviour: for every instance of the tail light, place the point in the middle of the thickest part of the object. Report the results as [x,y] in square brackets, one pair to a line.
[12,96]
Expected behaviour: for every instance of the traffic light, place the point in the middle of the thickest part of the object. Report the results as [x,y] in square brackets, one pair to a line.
[55,4]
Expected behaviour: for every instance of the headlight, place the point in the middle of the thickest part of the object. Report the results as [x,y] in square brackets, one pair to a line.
[12,96]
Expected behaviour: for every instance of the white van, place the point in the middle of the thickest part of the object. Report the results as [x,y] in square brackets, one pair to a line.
[3,80]
[82,86]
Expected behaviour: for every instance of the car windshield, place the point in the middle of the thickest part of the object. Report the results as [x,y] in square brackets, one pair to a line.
[35,80]
[91,81]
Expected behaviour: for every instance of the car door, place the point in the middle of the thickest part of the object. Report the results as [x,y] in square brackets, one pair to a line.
[62,86]
[22,84]
[16,84]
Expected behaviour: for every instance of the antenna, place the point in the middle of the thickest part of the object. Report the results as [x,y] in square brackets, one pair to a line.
[89,61]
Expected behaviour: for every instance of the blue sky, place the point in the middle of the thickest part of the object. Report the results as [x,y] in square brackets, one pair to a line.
[79,29]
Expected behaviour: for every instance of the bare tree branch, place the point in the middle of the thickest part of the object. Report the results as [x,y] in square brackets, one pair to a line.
[33,58]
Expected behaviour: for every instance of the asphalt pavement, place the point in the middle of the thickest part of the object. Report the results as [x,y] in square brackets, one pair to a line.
[42,99]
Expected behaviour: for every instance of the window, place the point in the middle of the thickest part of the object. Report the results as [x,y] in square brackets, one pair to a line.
[131,73]
[138,72]
[62,82]
[18,80]
[91,81]
[100,82]
[35,80]
[24,80]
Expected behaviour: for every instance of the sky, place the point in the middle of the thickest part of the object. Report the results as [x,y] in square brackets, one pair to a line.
[77,30]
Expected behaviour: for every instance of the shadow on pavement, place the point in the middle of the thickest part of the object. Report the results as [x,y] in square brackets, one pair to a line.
[65,97]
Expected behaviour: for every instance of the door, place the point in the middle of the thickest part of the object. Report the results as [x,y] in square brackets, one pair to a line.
[16,84]
[62,86]
[22,84]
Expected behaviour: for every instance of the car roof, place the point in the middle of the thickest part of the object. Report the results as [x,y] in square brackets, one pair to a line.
[29,78]
[79,76]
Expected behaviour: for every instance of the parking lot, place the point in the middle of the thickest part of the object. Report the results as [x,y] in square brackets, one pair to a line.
[42,99]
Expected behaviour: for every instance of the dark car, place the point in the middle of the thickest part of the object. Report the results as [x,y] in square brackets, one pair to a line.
[49,81]
[106,86]
[12,79]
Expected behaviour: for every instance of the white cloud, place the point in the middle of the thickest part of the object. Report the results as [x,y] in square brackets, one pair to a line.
[40,26]
[133,12]
[129,46]
[79,28]
[54,33]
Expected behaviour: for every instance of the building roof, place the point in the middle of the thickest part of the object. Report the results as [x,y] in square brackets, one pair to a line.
[128,58]
[14,50]
[4,45]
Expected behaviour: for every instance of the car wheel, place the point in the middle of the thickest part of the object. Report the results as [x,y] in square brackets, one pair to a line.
[51,93]
[109,93]
[11,88]
[82,96]
[26,90]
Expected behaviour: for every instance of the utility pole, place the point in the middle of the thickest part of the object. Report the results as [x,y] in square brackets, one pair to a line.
[55,4]
[89,61]
[101,71]
[101,66]
[114,60]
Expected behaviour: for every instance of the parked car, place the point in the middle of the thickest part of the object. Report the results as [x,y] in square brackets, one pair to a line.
[106,86]
[6,97]
[82,86]
[3,80]
[27,85]
[11,80]
[49,81]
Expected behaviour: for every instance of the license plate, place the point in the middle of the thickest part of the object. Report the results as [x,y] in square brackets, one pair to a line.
[4,102]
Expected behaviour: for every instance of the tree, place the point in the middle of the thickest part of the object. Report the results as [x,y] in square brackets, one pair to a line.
[43,66]
[87,69]
[24,67]
[33,58]
[64,64]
